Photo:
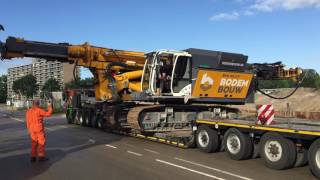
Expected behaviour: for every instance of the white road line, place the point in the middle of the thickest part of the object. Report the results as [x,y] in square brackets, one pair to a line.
[134,153]
[64,127]
[152,151]
[108,145]
[49,128]
[211,168]
[191,170]
[92,140]
[20,120]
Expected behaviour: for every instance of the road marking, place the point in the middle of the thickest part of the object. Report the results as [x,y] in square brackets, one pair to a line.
[191,170]
[20,120]
[218,170]
[49,128]
[152,151]
[108,145]
[64,126]
[134,153]
[91,140]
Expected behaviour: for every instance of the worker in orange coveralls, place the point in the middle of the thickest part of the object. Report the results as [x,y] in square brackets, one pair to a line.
[34,119]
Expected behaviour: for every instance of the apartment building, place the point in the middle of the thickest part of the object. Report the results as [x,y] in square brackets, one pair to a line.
[42,70]
[16,73]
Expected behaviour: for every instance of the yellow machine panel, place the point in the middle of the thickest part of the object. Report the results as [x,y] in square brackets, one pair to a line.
[222,84]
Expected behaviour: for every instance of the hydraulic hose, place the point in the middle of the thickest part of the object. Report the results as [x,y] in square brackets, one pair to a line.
[298,85]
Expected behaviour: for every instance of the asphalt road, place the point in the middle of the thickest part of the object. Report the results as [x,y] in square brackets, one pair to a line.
[77,152]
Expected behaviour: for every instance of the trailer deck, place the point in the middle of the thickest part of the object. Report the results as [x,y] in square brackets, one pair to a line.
[280,126]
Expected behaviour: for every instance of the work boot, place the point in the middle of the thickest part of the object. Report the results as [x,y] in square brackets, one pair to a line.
[42,159]
[33,159]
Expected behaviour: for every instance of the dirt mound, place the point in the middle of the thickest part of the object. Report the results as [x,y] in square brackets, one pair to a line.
[303,100]
[304,103]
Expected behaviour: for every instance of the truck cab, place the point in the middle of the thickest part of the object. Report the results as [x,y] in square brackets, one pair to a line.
[167,73]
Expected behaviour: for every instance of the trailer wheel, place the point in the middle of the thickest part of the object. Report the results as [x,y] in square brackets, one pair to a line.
[277,152]
[88,117]
[94,119]
[100,122]
[207,139]
[78,117]
[314,158]
[238,145]
[83,118]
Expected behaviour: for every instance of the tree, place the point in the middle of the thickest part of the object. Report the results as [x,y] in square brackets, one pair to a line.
[274,84]
[317,82]
[310,79]
[26,86]
[3,88]
[51,85]
[87,82]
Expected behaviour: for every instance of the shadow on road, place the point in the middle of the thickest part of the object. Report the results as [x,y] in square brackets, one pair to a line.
[60,143]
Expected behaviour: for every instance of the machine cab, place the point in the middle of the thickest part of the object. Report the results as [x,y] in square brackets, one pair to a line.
[167,73]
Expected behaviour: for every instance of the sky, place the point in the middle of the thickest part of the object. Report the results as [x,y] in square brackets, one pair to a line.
[265,30]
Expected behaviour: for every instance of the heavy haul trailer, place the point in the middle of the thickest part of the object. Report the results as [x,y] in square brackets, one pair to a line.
[162,92]
[282,145]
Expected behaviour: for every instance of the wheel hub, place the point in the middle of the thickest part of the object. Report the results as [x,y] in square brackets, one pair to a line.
[273,150]
[318,158]
[233,144]
[203,138]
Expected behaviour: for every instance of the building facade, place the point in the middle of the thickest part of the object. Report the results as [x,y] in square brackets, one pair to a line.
[16,73]
[42,70]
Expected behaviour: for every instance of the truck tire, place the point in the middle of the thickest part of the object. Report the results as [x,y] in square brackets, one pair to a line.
[94,119]
[277,152]
[207,139]
[83,118]
[255,153]
[314,158]
[191,142]
[78,117]
[101,122]
[87,117]
[238,145]
[302,158]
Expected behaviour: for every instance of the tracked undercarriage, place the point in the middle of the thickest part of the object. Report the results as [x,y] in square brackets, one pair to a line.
[161,118]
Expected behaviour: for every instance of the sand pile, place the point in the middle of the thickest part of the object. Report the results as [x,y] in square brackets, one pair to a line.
[305,103]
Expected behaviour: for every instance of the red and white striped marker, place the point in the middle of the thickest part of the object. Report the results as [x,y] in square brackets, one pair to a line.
[265,114]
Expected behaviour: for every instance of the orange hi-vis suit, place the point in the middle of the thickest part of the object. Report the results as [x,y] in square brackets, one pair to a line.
[34,119]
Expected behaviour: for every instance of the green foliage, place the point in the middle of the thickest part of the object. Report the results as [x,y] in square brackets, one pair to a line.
[311,80]
[274,84]
[3,88]
[51,85]
[26,86]
[317,82]
[87,82]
